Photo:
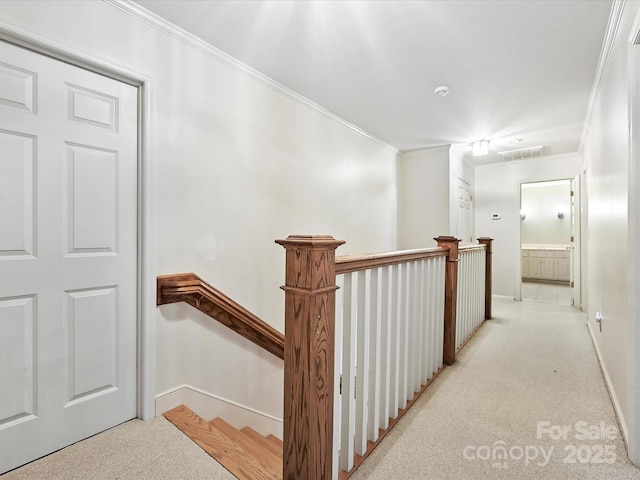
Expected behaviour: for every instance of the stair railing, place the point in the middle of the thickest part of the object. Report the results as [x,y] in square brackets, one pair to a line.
[191,289]
[471,285]
[390,339]
[395,316]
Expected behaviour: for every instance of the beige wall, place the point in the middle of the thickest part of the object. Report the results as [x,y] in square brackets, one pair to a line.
[239,164]
[497,188]
[607,181]
[423,197]
[541,202]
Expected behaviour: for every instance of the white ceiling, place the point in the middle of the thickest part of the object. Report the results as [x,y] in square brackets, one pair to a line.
[516,68]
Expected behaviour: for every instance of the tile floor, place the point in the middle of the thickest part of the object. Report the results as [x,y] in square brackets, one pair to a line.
[546,293]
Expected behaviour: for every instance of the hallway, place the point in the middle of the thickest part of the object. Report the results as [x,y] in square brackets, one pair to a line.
[527,374]
[531,368]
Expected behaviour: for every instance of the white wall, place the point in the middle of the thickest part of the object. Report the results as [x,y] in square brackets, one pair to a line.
[497,188]
[239,164]
[607,181]
[423,197]
[541,202]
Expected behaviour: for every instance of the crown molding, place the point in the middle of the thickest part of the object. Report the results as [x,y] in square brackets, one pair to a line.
[421,149]
[159,23]
[611,32]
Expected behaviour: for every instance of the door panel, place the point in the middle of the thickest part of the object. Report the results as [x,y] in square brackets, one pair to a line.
[68,254]
[91,200]
[17,188]
[17,343]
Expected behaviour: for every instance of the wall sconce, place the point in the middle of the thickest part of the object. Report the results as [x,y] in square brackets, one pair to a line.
[480,148]
[561,215]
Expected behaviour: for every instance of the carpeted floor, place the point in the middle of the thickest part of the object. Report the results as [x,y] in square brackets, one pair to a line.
[152,450]
[528,375]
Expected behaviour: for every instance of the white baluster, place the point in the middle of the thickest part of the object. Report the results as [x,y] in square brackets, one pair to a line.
[394,340]
[402,335]
[348,376]
[423,286]
[465,299]
[427,360]
[337,404]
[418,323]
[362,365]
[459,301]
[439,341]
[385,347]
[374,316]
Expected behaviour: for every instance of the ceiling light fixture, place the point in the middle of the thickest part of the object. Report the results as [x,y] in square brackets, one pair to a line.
[516,140]
[480,148]
[442,91]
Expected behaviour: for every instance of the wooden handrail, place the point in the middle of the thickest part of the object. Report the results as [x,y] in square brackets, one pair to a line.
[470,247]
[189,288]
[354,263]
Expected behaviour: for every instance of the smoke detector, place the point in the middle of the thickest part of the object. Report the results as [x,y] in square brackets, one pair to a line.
[442,91]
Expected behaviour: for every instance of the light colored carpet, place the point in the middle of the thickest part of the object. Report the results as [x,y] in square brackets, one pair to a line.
[532,363]
[134,450]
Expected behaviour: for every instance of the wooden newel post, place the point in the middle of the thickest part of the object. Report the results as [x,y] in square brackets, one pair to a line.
[450,297]
[487,276]
[309,356]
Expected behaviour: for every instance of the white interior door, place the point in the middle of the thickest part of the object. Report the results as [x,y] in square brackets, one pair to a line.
[68,254]
[465,218]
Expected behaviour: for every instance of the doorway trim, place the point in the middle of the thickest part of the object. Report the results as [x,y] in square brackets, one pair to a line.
[577,236]
[633,422]
[80,56]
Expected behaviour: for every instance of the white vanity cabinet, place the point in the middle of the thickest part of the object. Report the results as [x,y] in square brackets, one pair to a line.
[546,263]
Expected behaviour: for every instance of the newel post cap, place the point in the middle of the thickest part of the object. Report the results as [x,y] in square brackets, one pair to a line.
[486,241]
[313,242]
[450,243]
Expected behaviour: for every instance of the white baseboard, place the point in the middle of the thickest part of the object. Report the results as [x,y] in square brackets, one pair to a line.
[608,384]
[504,297]
[209,406]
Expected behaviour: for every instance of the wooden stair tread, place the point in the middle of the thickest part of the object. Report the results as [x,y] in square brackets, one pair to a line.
[257,445]
[227,452]
[276,441]
[250,432]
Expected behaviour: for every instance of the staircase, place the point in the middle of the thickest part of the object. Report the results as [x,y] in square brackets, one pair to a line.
[245,453]
[413,293]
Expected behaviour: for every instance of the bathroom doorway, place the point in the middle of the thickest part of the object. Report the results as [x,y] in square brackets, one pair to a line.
[547,223]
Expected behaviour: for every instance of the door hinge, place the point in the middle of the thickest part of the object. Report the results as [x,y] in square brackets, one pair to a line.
[572,238]
[340,389]
[572,285]
[572,193]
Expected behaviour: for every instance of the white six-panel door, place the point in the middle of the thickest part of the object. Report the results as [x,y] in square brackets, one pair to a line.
[465,218]
[68,254]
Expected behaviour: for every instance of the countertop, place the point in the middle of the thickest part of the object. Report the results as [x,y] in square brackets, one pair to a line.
[545,246]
